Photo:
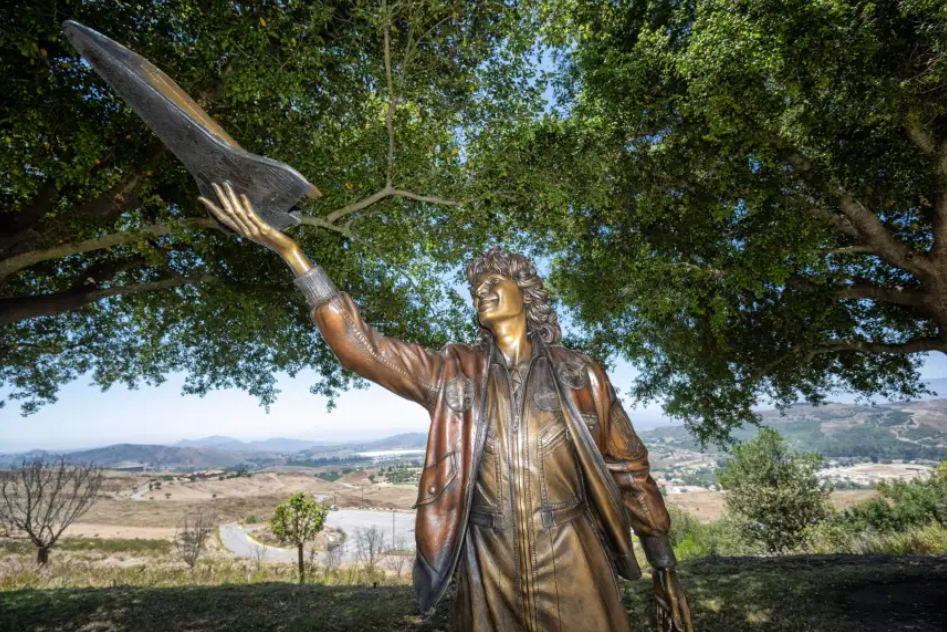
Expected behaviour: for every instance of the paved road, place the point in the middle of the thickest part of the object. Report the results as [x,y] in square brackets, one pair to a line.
[241,544]
[238,541]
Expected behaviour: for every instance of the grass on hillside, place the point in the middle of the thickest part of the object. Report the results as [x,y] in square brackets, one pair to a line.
[811,594]
[115,545]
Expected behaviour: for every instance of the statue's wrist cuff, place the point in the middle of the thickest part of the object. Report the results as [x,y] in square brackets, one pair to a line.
[657,548]
[316,286]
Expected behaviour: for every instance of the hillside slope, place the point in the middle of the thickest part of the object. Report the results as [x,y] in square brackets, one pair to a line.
[898,430]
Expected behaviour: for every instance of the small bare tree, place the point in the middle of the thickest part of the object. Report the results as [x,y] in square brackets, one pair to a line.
[370,547]
[259,556]
[45,495]
[334,554]
[398,557]
[190,541]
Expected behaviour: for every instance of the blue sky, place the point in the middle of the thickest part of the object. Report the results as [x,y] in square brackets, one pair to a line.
[86,417]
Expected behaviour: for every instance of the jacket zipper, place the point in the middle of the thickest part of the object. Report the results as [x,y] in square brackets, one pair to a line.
[521,518]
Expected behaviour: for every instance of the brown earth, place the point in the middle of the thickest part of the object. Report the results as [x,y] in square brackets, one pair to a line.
[236,498]
[709,506]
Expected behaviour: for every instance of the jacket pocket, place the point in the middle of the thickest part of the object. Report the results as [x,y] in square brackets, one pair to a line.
[436,478]
[558,467]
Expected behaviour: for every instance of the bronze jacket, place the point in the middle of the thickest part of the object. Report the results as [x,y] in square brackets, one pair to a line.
[450,383]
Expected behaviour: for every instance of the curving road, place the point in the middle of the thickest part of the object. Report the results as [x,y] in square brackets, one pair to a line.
[238,541]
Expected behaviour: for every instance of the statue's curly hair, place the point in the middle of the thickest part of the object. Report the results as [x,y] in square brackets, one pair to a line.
[540,316]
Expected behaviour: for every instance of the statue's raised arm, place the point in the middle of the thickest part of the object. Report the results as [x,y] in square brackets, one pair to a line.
[407,369]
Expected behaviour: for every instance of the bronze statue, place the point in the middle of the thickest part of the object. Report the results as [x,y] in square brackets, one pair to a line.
[534,477]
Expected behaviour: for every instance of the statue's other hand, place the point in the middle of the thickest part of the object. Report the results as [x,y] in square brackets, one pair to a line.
[237,214]
[674,615]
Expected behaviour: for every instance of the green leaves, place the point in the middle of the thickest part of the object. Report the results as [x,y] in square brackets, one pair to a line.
[773,495]
[693,193]
[298,520]
[300,82]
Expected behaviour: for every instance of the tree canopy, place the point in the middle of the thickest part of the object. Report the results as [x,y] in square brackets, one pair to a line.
[108,264]
[748,199]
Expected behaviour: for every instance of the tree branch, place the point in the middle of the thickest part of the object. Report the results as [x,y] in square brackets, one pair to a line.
[26,259]
[429,199]
[895,295]
[920,136]
[329,221]
[915,345]
[13,310]
[866,226]
[319,222]
[848,250]
[392,99]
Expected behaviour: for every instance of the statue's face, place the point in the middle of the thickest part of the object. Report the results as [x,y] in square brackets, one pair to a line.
[497,298]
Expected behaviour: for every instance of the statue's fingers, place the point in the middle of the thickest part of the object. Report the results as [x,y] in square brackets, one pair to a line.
[663,623]
[243,214]
[230,209]
[224,202]
[255,219]
[686,613]
[219,214]
[673,607]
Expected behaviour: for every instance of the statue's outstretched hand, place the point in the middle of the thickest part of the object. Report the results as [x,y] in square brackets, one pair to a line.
[674,615]
[237,214]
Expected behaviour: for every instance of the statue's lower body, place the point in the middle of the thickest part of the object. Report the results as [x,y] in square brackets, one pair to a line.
[567,582]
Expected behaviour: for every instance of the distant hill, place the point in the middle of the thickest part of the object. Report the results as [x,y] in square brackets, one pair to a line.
[235,445]
[897,430]
[154,457]
[406,441]
[219,451]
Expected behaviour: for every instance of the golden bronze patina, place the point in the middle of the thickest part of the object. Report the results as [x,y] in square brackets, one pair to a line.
[534,477]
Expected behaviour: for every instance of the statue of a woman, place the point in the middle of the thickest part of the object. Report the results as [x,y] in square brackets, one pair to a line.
[534,477]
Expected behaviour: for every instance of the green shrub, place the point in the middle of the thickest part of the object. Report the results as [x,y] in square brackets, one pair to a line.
[840,536]
[904,505]
[692,538]
[773,495]
[251,519]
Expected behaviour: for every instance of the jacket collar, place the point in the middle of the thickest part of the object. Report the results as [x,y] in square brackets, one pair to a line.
[536,343]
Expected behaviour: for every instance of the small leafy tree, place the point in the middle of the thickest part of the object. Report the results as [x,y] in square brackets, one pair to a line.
[297,521]
[773,495]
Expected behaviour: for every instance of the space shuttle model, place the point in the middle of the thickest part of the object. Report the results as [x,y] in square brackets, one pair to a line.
[208,152]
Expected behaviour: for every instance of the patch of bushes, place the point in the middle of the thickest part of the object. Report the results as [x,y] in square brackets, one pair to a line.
[841,536]
[692,538]
[903,505]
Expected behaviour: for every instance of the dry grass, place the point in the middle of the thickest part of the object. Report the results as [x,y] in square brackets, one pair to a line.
[709,506]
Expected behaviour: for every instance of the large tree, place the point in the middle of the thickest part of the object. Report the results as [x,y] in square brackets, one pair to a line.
[109,266]
[748,198]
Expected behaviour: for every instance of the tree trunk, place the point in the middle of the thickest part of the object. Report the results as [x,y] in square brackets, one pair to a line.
[302,568]
[42,556]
